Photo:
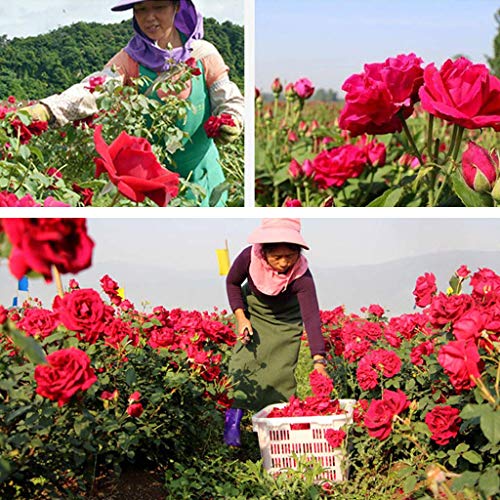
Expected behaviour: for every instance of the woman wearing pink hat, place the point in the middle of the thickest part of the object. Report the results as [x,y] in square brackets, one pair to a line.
[272,309]
[166,32]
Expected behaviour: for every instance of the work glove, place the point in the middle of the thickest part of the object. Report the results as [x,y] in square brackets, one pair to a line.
[38,112]
[228,133]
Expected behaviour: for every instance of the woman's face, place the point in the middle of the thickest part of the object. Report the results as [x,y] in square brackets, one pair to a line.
[282,258]
[156,18]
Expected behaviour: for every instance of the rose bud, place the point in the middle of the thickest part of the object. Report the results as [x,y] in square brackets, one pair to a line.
[479,168]
[276,87]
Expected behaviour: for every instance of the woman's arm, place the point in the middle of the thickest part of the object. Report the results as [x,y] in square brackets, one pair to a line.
[225,96]
[238,273]
[77,101]
[309,308]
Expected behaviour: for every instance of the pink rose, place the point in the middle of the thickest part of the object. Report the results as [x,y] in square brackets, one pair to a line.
[480,168]
[463,271]
[376,97]
[334,167]
[462,93]
[303,88]
[321,386]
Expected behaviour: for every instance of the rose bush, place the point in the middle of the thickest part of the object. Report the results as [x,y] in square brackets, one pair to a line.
[43,166]
[421,116]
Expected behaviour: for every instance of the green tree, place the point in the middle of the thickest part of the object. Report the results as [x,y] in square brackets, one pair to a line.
[494,61]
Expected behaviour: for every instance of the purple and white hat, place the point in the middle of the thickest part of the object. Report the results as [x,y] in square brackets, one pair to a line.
[143,50]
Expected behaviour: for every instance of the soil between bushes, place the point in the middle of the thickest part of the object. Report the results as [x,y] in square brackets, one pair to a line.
[133,484]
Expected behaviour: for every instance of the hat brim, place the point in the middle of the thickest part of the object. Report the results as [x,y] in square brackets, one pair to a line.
[125,5]
[262,236]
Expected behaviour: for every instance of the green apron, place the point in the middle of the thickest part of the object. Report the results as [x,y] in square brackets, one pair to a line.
[264,369]
[199,157]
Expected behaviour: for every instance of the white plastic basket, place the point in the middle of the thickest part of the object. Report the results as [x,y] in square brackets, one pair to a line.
[279,440]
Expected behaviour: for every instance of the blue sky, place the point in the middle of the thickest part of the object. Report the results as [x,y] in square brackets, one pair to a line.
[32,17]
[328,40]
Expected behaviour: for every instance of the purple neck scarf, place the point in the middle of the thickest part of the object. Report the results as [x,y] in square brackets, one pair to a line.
[142,49]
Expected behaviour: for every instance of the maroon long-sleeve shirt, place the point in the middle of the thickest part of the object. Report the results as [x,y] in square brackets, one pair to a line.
[302,287]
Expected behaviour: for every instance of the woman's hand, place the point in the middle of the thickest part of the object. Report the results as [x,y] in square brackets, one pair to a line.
[244,327]
[321,369]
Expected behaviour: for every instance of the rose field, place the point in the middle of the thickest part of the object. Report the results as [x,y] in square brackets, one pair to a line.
[408,134]
[94,161]
[98,397]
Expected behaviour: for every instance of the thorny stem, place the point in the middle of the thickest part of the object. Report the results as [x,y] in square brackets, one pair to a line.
[429,137]
[452,142]
[410,138]
[115,199]
[458,143]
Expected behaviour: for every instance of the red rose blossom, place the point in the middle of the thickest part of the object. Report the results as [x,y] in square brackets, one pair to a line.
[321,386]
[67,371]
[214,123]
[132,166]
[381,412]
[425,288]
[38,244]
[335,438]
[135,410]
[444,423]
[460,360]
[38,322]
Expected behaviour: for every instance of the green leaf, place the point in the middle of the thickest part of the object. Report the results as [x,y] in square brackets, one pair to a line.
[4,470]
[472,411]
[489,482]
[217,192]
[29,347]
[469,197]
[130,376]
[409,484]
[389,198]
[490,425]
[472,457]
[466,479]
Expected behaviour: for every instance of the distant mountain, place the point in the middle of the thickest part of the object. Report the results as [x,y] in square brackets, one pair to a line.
[389,284]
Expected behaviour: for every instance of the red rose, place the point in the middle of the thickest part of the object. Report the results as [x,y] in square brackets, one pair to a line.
[359,411]
[381,413]
[134,397]
[484,282]
[82,311]
[276,86]
[117,330]
[335,438]
[423,349]
[460,360]
[86,194]
[334,167]
[38,244]
[375,97]
[375,151]
[469,326]
[38,322]
[463,271]
[425,288]
[462,93]
[135,410]
[376,310]
[214,123]
[134,169]
[444,423]
[447,308]
[67,371]
[367,377]
[95,81]
[4,314]
[321,386]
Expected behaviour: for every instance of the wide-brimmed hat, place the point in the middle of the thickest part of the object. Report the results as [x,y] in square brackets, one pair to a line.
[278,231]
[125,4]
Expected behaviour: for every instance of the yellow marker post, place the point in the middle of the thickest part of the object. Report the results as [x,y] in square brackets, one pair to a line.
[223,260]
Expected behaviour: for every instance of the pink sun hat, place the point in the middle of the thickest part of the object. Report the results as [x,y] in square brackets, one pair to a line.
[278,231]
